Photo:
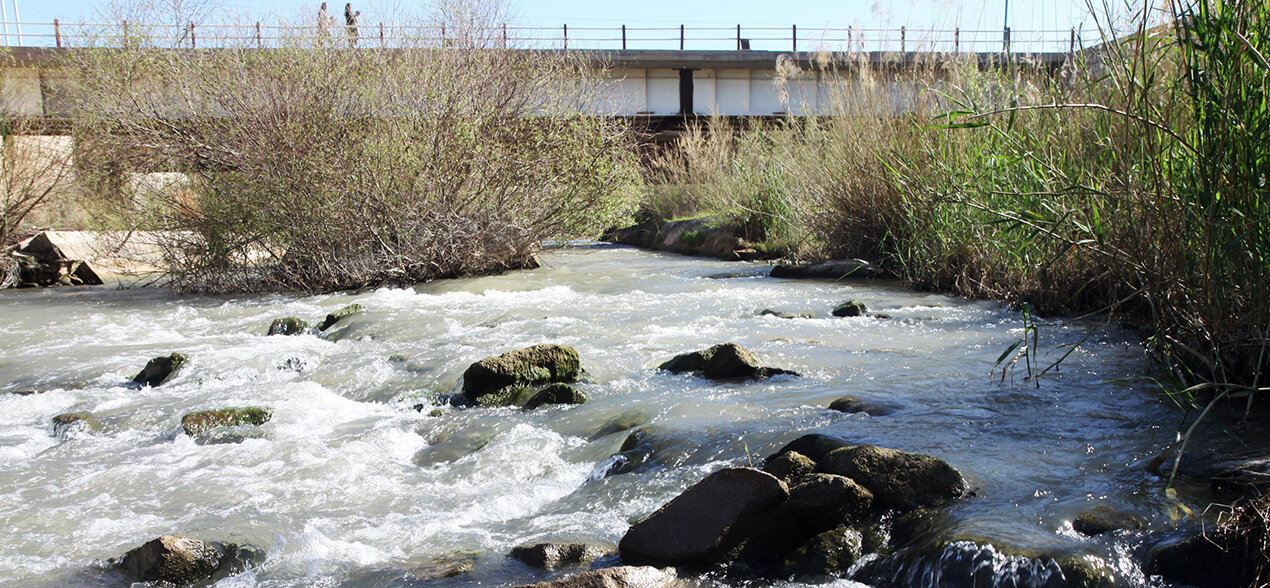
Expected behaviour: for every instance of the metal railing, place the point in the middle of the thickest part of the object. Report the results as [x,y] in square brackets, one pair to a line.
[381,35]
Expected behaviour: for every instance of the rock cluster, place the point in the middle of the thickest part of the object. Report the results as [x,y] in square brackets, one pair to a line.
[39,262]
[801,514]
[727,361]
[296,326]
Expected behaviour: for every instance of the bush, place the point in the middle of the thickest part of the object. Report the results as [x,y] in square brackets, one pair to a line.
[315,168]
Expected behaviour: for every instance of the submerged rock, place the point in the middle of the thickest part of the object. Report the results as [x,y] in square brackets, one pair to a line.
[850,404]
[834,269]
[618,577]
[159,369]
[493,381]
[897,479]
[550,556]
[710,522]
[727,361]
[555,394]
[71,424]
[445,566]
[622,422]
[850,308]
[784,314]
[288,326]
[183,560]
[1101,518]
[199,423]
[340,315]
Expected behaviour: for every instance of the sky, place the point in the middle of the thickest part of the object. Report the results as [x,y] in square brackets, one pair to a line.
[813,17]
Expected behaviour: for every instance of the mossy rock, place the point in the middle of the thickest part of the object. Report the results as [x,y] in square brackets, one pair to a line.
[897,479]
[159,369]
[790,467]
[726,361]
[1086,571]
[179,560]
[850,308]
[785,315]
[551,556]
[831,552]
[498,377]
[1102,518]
[199,423]
[288,326]
[555,394]
[340,315]
[446,566]
[66,426]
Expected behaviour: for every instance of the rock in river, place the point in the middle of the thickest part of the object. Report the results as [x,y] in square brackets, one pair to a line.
[834,269]
[555,394]
[727,361]
[618,577]
[340,315]
[198,423]
[1101,518]
[159,369]
[711,522]
[288,326]
[550,556]
[897,479]
[182,560]
[850,308]
[496,381]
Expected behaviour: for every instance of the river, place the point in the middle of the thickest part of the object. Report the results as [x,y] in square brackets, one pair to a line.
[349,484]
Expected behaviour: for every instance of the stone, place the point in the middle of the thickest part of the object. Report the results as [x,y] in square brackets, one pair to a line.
[491,381]
[835,269]
[814,446]
[825,501]
[830,552]
[159,369]
[1102,518]
[71,424]
[1195,561]
[445,566]
[852,405]
[550,556]
[784,314]
[727,361]
[183,560]
[710,522]
[790,467]
[850,308]
[288,326]
[199,423]
[622,422]
[618,577]
[340,315]
[1086,571]
[555,394]
[897,479]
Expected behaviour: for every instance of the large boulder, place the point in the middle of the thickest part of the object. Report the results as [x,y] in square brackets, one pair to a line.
[159,369]
[198,423]
[497,381]
[830,552]
[851,404]
[619,577]
[850,308]
[790,467]
[814,446]
[727,361]
[550,556]
[834,269]
[897,479]
[824,501]
[180,560]
[711,522]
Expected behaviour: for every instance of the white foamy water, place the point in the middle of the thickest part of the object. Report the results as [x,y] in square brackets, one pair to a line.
[349,485]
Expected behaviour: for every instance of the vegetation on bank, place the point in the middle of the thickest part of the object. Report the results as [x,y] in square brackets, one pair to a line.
[316,167]
[1134,181]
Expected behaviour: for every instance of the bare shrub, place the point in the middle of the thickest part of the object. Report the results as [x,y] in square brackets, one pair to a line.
[313,167]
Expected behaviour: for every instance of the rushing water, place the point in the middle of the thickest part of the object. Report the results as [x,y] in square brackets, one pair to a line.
[350,485]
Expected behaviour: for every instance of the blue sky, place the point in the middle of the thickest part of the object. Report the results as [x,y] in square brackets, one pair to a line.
[811,16]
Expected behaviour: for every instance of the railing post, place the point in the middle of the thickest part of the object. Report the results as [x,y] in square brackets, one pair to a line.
[125,33]
[738,37]
[193,42]
[681,37]
[504,35]
[57,32]
[848,39]
[442,35]
[566,37]
[902,48]
[260,41]
[1005,41]
[794,34]
[624,37]
[957,40]
[381,34]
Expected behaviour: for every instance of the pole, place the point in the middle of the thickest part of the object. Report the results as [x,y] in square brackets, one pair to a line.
[566,37]
[738,37]
[957,40]
[623,37]
[794,34]
[504,35]
[681,37]
[848,39]
[902,40]
[5,17]
[1071,48]
[1005,40]
[57,32]
[18,20]
[260,41]
[193,41]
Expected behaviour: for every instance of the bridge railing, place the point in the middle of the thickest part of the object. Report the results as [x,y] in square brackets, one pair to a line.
[382,35]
